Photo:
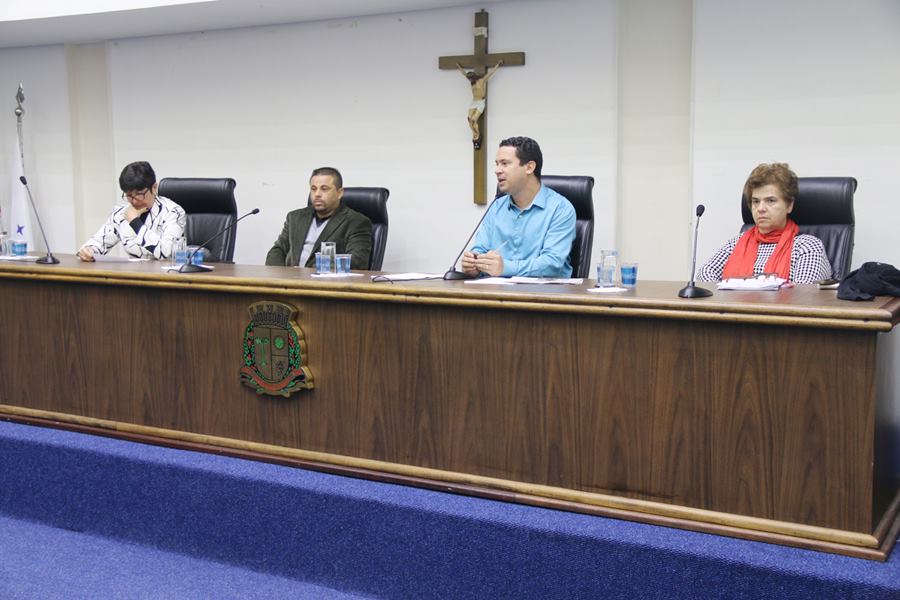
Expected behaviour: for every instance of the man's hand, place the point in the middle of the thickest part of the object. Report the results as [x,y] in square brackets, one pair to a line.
[86,253]
[469,264]
[490,263]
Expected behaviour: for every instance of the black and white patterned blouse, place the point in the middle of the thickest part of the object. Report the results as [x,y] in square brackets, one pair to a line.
[162,228]
[809,263]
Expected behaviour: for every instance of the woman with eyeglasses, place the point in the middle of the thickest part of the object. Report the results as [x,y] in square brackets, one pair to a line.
[148,226]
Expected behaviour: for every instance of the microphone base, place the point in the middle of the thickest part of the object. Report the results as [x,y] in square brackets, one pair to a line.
[47,260]
[192,268]
[454,275]
[693,291]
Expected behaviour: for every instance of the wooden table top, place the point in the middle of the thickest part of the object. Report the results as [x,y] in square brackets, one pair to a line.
[802,305]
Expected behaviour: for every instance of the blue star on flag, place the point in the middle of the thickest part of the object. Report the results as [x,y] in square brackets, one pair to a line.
[20,229]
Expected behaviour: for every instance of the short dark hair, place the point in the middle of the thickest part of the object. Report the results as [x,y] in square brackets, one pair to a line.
[137,176]
[335,174]
[526,150]
[777,174]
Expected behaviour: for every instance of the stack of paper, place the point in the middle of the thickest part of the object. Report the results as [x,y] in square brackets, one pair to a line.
[762,282]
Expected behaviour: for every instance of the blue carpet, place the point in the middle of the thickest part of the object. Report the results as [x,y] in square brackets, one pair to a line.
[41,562]
[391,541]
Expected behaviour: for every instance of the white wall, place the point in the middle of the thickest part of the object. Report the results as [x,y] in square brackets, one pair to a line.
[266,105]
[47,138]
[813,83]
[810,82]
[93,163]
[654,151]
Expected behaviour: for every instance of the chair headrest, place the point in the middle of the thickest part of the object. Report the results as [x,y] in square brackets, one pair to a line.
[820,201]
[370,201]
[200,195]
[578,189]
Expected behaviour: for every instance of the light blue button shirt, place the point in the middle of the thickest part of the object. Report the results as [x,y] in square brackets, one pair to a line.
[535,242]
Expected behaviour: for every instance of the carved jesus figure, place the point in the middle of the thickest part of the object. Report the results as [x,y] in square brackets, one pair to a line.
[479,93]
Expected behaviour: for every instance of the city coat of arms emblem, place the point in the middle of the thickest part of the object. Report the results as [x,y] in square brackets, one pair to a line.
[274,351]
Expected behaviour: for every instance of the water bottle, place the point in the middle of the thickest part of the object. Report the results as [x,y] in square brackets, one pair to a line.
[179,252]
[608,268]
[4,243]
[329,253]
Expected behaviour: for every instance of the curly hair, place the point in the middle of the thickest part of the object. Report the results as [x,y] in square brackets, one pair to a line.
[777,174]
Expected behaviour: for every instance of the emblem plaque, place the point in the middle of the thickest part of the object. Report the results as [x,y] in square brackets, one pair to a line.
[274,351]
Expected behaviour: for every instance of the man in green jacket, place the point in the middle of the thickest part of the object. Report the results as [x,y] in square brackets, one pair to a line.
[325,220]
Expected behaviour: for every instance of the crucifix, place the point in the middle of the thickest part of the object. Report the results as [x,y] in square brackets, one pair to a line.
[478,68]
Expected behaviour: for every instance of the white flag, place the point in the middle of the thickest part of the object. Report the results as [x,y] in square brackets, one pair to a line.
[20,210]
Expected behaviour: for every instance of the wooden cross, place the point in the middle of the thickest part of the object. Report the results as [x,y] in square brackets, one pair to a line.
[478,68]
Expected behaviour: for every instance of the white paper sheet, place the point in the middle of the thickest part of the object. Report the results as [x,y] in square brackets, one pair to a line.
[761,283]
[25,258]
[548,280]
[492,281]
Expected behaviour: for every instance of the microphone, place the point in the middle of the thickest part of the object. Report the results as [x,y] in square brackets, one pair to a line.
[691,290]
[453,274]
[189,266]
[44,260]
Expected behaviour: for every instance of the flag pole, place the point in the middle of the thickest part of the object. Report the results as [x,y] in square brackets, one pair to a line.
[20,110]
[49,259]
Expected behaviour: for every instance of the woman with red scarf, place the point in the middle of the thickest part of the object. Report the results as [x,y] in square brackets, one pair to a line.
[774,244]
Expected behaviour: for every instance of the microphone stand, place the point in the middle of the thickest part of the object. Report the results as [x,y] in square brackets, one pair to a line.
[691,290]
[190,267]
[453,274]
[49,259]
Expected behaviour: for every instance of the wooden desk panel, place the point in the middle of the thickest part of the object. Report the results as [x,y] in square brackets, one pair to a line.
[716,415]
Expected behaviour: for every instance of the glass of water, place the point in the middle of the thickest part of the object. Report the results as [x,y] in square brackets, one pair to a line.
[629,274]
[343,263]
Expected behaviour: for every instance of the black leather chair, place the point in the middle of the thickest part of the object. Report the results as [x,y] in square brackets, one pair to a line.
[210,207]
[372,202]
[578,189]
[823,208]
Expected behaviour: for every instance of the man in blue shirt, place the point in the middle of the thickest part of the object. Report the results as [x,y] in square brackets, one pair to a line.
[530,230]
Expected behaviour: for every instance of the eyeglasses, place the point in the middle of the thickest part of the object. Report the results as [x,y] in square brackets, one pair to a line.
[135,195]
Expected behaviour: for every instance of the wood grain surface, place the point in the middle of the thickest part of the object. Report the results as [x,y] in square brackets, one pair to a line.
[728,410]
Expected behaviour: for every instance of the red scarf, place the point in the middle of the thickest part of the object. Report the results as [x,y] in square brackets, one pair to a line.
[742,260]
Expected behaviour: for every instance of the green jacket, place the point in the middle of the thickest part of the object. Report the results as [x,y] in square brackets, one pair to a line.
[350,230]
